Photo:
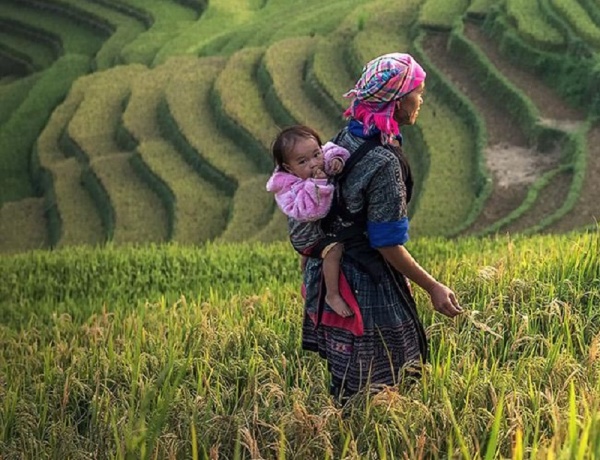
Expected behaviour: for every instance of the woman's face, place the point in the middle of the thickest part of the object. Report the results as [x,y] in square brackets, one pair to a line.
[407,108]
[305,159]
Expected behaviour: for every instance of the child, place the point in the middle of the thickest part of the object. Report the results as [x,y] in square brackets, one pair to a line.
[304,192]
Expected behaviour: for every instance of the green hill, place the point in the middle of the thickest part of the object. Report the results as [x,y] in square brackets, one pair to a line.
[507,141]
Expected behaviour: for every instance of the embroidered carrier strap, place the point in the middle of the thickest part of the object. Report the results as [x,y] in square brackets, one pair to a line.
[338,207]
[356,244]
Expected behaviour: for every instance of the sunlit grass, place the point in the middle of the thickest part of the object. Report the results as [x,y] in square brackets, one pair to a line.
[217,372]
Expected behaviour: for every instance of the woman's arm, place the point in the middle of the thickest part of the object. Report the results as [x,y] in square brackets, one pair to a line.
[443,298]
[388,231]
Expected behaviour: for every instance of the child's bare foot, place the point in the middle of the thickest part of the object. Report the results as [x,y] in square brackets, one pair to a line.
[338,305]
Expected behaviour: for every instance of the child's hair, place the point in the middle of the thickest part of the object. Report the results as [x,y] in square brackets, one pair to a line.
[287,138]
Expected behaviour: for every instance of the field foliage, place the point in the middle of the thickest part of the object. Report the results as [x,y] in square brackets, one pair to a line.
[180,352]
[279,63]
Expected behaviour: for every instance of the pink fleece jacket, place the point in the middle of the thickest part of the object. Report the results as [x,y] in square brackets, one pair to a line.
[306,200]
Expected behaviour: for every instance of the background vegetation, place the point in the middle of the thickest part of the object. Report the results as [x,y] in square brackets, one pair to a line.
[137,116]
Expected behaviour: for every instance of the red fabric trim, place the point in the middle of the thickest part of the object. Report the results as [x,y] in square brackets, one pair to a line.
[353,323]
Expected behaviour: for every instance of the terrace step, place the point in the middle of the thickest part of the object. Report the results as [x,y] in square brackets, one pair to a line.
[22,226]
[447,192]
[285,62]
[580,23]
[592,8]
[253,209]
[198,6]
[554,14]
[126,28]
[72,217]
[20,131]
[197,209]
[163,21]
[280,20]
[123,197]
[73,36]
[79,218]
[190,103]
[479,9]
[553,109]
[120,28]
[14,63]
[440,15]
[555,114]
[217,19]
[12,93]
[504,138]
[188,96]
[384,28]
[275,230]
[553,190]
[38,48]
[532,25]
[330,67]
[586,210]
[139,214]
[251,121]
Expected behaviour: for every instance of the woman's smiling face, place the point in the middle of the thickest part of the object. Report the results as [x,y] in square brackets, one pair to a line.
[407,108]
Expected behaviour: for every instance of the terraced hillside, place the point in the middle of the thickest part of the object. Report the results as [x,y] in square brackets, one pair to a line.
[130,121]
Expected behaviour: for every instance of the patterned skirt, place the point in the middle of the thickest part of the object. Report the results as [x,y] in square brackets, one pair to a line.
[392,340]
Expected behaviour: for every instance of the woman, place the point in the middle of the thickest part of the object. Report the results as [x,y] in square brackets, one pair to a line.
[386,339]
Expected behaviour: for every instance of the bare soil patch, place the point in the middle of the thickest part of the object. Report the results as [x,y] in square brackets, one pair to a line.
[514,166]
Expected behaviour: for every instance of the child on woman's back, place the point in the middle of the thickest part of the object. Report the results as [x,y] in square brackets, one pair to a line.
[303,190]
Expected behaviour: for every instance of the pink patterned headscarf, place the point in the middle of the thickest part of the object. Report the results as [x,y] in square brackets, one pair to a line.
[384,80]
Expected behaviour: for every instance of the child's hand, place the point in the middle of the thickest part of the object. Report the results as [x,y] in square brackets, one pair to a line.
[319,174]
[336,165]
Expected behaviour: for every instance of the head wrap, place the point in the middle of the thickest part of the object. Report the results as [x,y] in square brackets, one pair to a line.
[384,80]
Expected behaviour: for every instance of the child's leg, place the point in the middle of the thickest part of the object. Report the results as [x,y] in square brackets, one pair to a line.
[331,273]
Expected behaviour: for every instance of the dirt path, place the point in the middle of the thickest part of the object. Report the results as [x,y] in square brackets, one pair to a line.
[511,163]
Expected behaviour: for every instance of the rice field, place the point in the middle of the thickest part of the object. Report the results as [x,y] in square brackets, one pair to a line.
[175,352]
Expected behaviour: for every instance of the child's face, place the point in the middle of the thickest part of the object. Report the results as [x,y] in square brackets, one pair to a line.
[305,159]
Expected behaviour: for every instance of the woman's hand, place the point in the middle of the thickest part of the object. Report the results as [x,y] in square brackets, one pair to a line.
[444,300]
[442,297]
